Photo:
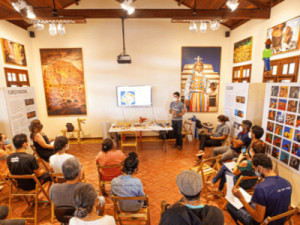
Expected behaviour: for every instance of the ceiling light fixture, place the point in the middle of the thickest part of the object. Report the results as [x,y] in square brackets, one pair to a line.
[232,4]
[61,29]
[214,25]
[52,29]
[30,13]
[21,5]
[193,26]
[55,25]
[203,27]
[126,5]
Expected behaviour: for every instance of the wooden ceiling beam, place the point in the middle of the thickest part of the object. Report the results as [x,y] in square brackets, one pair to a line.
[260,4]
[151,13]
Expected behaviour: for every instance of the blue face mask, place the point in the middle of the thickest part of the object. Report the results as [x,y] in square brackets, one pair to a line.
[7,142]
[257,173]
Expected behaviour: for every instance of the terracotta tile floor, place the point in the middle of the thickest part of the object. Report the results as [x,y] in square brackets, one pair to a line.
[157,170]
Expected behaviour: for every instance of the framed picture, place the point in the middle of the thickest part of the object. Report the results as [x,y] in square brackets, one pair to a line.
[285,36]
[200,78]
[13,53]
[242,50]
[63,81]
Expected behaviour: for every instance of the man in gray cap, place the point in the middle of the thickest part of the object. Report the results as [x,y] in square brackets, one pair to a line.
[189,210]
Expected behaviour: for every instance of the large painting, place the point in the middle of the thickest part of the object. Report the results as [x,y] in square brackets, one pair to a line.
[285,36]
[200,78]
[13,53]
[242,50]
[63,81]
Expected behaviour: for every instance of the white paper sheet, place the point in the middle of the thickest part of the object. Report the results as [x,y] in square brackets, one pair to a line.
[230,165]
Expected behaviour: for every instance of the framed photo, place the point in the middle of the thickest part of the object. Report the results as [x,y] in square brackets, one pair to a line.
[200,78]
[63,81]
[242,50]
[285,36]
[13,53]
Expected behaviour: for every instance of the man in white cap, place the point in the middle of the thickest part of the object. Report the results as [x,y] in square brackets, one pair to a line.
[189,210]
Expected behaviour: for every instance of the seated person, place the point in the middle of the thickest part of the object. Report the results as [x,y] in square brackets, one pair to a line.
[190,210]
[242,139]
[218,137]
[3,215]
[109,156]
[5,151]
[21,163]
[256,132]
[40,140]
[271,197]
[61,147]
[243,167]
[88,204]
[62,194]
[127,186]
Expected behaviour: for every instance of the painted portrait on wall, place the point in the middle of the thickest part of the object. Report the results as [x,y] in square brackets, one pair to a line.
[63,81]
[242,50]
[13,53]
[200,78]
[285,36]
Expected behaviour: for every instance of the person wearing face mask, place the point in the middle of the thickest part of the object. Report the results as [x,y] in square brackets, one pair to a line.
[40,140]
[271,197]
[177,110]
[21,163]
[256,132]
[5,151]
[242,139]
[243,167]
[217,138]
[61,147]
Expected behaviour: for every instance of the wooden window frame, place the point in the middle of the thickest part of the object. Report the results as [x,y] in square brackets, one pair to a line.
[18,82]
[239,79]
[278,77]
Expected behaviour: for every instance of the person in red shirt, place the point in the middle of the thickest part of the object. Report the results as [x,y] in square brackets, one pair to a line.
[109,156]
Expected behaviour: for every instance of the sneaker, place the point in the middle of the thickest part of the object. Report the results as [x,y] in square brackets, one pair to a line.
[180,148]
[175,146]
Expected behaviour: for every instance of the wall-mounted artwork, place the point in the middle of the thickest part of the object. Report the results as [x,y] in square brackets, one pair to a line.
[200,78]
[63,81]
[242,50]
[13,53]
[285,36]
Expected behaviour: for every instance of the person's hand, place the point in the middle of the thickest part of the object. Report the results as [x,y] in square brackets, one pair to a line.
[174,115]
[236,192]
[211,137]
[241,157]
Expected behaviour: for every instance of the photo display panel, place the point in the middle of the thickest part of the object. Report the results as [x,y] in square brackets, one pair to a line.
[281,121]
[130,96]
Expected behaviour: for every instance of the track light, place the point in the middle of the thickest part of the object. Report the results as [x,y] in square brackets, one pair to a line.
[232,4]
[61,29]
[52,29]
[30,13]
[203,27]
[193,26]
[214,25]
[19,5]
[126,5]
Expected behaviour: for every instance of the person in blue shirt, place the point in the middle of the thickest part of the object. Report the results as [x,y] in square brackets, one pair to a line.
[127,186]
[242,139]
[271,197]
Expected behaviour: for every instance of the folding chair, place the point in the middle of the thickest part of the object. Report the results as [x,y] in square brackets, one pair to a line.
[287,214]
[142,215]
[187,130]
[242,178]
[19,192]
[39,159]
[103,182]
[64,213]
[130,143]
[207,171]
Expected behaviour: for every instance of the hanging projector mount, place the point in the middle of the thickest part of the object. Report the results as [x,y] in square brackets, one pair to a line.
[123,57]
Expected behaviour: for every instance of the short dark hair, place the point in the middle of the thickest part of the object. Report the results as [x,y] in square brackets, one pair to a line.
[59,143]
[131,163]
[259,147]
[192,198]
[247,123]
[176,93]
[223,118]
[257,131]
[19,140]
[262,160]
[107,144]
[71,168]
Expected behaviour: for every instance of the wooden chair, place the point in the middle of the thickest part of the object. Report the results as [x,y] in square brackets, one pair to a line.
[19,192]
[39,159]
[207,171]
[143,215]
[64,213]
[237,185]
[187,130]
[130,143]
[103,182]
[287,214]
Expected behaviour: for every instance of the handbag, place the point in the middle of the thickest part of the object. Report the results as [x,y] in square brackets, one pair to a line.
[70,127]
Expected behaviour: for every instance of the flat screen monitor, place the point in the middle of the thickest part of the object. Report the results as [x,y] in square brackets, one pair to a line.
[130,96]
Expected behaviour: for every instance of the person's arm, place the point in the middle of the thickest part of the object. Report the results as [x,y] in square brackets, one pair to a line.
[223,137]
[237,143]
[236,170]
[40,140]
[257,213]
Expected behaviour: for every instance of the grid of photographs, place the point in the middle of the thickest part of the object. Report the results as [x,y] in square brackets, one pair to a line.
[282,124]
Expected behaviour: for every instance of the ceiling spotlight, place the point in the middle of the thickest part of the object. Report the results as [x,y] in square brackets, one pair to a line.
[30,13]
[130,10]
[38,26]
[203,27]
[193,26]
[126,5]
[61,29]
[232,4]
[52,29]
[214,25]
[19,5]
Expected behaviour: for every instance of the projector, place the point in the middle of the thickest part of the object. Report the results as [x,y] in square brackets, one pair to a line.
[123,58]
